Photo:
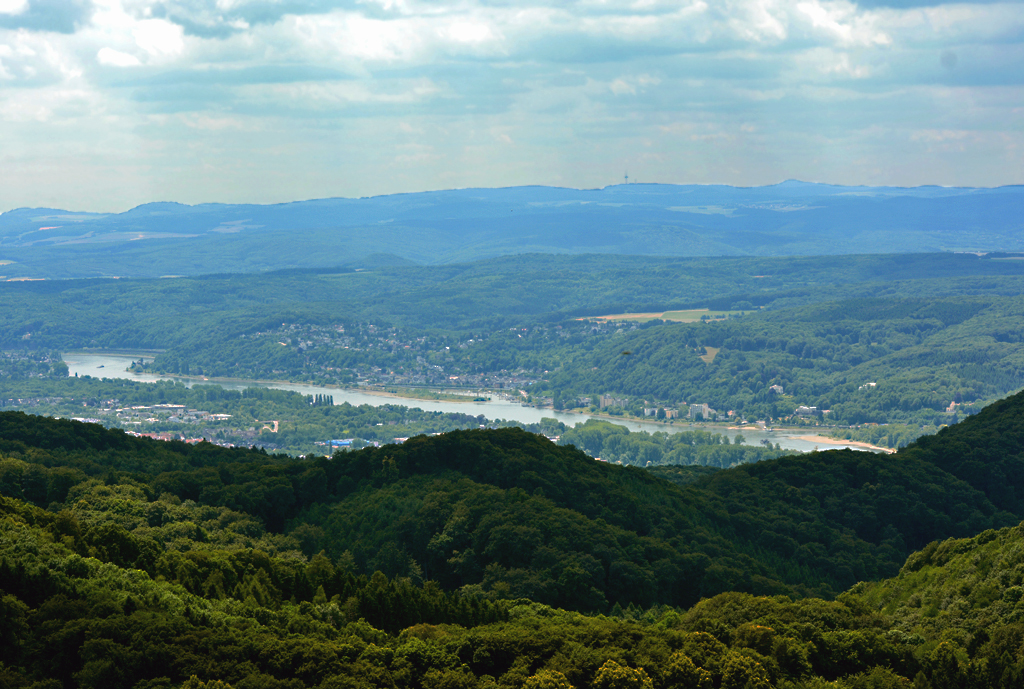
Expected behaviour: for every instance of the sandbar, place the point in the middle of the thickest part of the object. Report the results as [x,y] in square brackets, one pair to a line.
[824,440]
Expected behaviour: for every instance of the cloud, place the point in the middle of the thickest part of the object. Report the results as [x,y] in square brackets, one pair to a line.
[115,58]
[60,16]
[913,4]
[159,37]
[463,92]
[844,23]
[13,6]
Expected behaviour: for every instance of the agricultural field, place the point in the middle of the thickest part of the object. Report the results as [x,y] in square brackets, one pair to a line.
[686,316]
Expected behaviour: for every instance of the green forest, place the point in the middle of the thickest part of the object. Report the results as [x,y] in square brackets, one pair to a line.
[494,557]
[837,334]
[452,551]
[872,359]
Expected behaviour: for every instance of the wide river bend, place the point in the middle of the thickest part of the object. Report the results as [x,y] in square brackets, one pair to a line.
[115,365]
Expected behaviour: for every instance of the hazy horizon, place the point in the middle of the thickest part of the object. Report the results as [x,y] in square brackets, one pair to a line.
[108,104]
[520,186]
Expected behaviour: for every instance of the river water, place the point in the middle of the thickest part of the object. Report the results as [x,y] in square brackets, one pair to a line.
[115,365]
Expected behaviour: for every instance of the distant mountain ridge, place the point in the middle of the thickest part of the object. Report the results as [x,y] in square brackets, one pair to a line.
[791,218]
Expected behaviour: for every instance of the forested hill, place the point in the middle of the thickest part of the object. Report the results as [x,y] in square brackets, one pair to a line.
[93,449]
[788,219]
[132,563]
[506,513]
[986,450]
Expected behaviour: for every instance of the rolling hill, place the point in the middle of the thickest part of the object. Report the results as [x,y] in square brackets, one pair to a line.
[792,218]
[133,563]
[507,513]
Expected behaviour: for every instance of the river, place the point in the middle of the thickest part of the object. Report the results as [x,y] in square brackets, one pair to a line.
[115,365]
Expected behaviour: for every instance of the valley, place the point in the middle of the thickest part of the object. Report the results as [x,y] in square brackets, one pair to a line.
[882,354]
[616,474]
[470,407]
[406,344]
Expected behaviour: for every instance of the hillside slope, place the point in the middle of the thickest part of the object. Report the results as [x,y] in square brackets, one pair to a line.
[122,584]
[504,513]
[76,615]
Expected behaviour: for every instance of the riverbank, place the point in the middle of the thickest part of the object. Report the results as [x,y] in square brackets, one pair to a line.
[407,394]
[414,394]
[825,440]
[107,365]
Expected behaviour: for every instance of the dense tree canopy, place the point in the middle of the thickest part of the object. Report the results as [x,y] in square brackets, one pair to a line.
[495,557]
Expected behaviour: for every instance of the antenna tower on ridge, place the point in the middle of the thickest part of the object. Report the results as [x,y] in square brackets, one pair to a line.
[627,177]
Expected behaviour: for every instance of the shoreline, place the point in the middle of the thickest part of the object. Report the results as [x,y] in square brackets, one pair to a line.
[681,425]
[263,381]
[825,440]
[131,353]
[395,395]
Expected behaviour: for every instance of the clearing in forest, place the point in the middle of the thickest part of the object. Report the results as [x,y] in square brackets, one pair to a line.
[689,316]
[712,352]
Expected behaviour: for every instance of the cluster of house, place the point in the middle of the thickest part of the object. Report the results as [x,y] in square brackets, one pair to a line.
[667,413]
[810,411]
[702,411]
[176,413]
[347,443]
[694,412]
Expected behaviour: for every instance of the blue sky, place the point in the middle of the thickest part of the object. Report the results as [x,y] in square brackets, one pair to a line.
[105,104]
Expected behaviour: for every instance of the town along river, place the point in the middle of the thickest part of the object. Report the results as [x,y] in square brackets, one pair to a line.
[115,365]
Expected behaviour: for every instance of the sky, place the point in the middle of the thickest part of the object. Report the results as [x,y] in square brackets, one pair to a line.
[107,104]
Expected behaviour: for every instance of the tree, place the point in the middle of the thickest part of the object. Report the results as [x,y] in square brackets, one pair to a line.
[548,679]
[681,673]
[742,672]
[195,683]
[611,675]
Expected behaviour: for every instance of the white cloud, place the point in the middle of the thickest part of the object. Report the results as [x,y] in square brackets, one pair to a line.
[346,35]
[468,31]
[842,22]
[632,85]
[621,87]
[955,22]
[159,38]
[572,84]
[13,6]
[115,58]
[760,21]
[62,108]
